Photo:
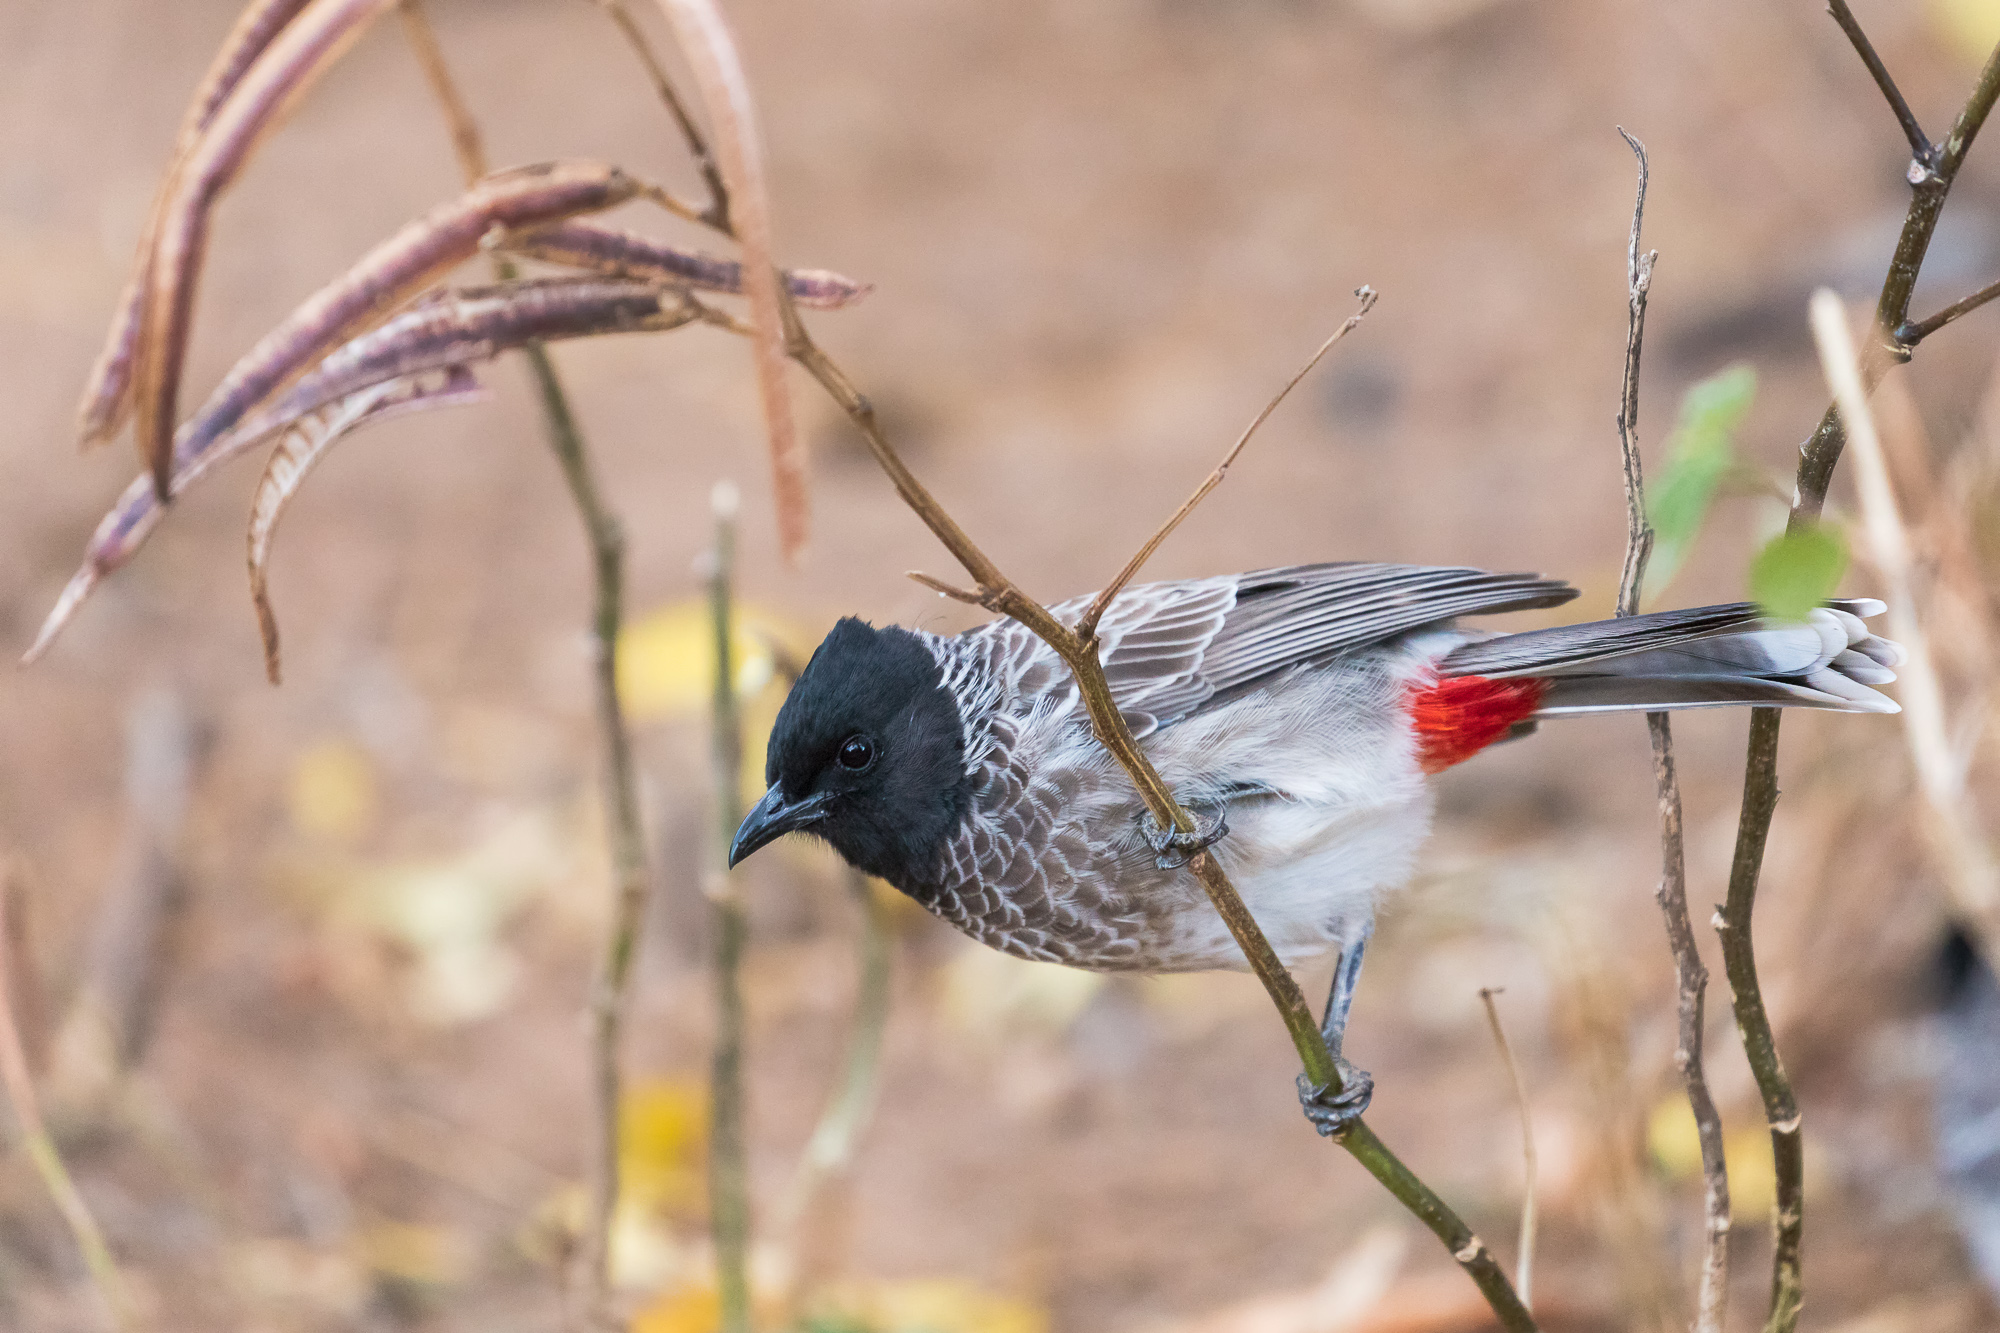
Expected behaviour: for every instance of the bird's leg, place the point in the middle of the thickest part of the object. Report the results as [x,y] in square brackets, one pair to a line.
[1334,1113]
[1172,848]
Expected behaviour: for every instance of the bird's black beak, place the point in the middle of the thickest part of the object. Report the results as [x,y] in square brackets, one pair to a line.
[773,817]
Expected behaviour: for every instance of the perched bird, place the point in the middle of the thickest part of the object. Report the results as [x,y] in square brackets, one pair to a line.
[1299,711]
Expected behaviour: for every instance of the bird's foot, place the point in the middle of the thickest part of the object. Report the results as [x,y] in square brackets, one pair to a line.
[1173,849]
[1334,1113]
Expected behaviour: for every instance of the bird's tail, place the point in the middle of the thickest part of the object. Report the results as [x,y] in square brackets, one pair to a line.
[1706,657]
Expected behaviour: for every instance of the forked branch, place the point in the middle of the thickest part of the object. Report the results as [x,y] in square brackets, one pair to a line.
[1818,458]
[1086,628]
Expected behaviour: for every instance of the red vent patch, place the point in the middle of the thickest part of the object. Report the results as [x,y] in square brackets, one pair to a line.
[1459,716]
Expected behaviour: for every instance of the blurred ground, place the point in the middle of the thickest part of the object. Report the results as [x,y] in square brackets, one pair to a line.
[1101,233]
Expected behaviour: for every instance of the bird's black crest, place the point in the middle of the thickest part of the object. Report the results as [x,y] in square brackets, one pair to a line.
[894,818]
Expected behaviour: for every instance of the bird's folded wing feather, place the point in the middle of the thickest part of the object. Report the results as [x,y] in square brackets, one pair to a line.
[1169,648]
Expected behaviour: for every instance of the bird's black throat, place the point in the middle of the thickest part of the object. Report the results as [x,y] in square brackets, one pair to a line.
[894,818]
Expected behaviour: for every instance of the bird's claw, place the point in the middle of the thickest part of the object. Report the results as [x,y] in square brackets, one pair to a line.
[1334,1113]
[1173,849]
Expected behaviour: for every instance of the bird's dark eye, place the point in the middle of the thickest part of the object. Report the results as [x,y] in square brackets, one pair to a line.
[857,753]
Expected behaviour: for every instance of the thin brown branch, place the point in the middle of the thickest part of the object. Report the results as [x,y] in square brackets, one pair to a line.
[1086,628]
[728,1172]
[999,593]
[970,596]
[1921,149]
[1524,1262]
[1691,977]
[1911,332]
[466,141]
[1638,285]
[42,1149]
[1819,456]
[716,215]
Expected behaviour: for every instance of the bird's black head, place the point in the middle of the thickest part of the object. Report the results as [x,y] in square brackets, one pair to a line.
[867,753]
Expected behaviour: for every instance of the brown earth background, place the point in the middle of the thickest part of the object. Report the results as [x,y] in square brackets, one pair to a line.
[1101,233]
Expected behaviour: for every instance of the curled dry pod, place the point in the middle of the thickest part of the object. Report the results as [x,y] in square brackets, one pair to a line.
[300,52]
[107,396]
[451,329]
[306,441]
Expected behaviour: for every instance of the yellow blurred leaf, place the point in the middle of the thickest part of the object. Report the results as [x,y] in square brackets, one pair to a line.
[1675,1144]
[428,1256]
[697,1310]
[666,659]
[332,792]
[927,1305]
[1971,28]
[449,914]
[663,1143]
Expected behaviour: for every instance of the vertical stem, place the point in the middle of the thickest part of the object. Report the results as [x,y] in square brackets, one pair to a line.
[42,1148]
[623,832]
[1818,457]
[1690,975]
[830,1150]
[728,1174]
[627,844]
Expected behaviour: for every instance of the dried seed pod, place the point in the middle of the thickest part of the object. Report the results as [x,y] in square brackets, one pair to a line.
[451,329]
[307,441]
[627,254]
[711,55]
[390,275]
[302,50]
[107,397]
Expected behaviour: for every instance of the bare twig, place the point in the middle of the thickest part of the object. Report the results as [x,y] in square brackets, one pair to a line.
[42,1149]
[1638,285]
[1691,976]
[716,215]
[466,140]
[1086,628]
[1964,858]
[1818,457]
[1921,148]
[628,849]
[1911,332]
[728,1173]
[1524,1261]
[998,593]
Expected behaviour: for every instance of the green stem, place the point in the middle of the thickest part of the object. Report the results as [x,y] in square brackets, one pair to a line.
[623,831]
[728,1177]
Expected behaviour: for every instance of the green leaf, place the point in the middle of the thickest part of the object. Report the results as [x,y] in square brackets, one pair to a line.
[1702,452]
[1796,571]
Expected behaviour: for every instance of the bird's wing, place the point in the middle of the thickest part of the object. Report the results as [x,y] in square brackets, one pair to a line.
[1168,648]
